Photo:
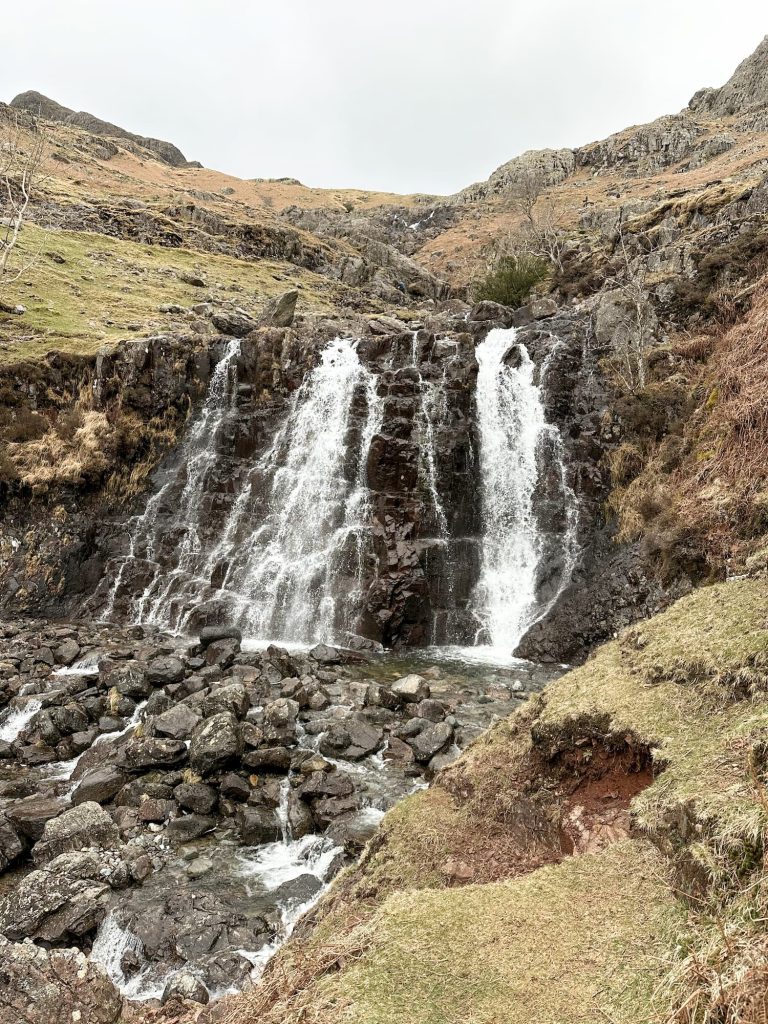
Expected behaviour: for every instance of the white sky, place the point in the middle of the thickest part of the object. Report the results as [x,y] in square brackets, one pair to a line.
[403,95]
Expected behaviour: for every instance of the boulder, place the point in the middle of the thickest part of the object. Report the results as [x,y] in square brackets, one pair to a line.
[185,985]
[280,311]
[178,722]
[232,697]
[86,825]
[152,752]
[221,653]
[353,739]
[431,740]
[411,689]
[271,758]
[29,816]
[164,670]
[234,325]
[59,902]
[66,652]
[56,986]
[281,713]
[326,784]
[257,825]
[195,796]
[99,785]
[208,634]
[129,678]
[325,655]
[189,827]
[215,743]
[11,845]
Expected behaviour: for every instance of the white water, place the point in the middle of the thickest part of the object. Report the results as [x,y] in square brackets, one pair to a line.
[513,430]
[18,718]
[282,577]
[112,942]
[197,455]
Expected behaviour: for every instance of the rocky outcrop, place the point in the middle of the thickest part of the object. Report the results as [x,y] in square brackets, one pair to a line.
[57,986]
[745,91]
[41,106]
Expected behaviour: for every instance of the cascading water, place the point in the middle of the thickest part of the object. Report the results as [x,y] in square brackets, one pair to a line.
[310,499]
[18,718]
[199,452]
[515,438]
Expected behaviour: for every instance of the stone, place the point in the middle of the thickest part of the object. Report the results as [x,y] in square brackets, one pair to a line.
[30,815]
[221,653]
[99,785]
[208,634]
[58,902]
[431,740]
[215,743]
[86,825]
[234,787]
[354,739]
[165,669]
[280,311]
[56,986]
[275,758]
[178,722]
[129,678]
[411,689]
[156,810]
[232,697]
[432,710]
[281,713]
[185,985]
[189,827]
[11,845]
[328,808]
[326,784]
[325,655]
[66,652]
[195,796]
[234,325]
[257,825]
[152,752]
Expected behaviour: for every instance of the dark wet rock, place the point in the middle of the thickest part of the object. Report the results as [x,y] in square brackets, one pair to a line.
[378,695]
[185,985]
[431,740]
[282,661]
[11,845]
[257,825]
[300,820]
[215,743]
[281,713]
[30,815]
[208,634]
[232,697]
[234,787]
[411,689]
[61,901]
[150,786]
[164,670]
[326,809]
[189,827]
[76,829]
[152,752]
[195,796]
[353,739]
[178,722]
[129,678]
[298,890]
[352,831]
[326,784]
[66,652]
[432,710]
[221,653]
[57,986]
[99,784]
[270,758]
[156,810]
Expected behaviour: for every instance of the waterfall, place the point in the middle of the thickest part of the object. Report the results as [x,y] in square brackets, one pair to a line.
[298,575]
[198,454]
[18,718]
[517,446]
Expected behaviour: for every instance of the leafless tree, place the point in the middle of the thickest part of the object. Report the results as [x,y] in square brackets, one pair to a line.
[541,233]
[634,329]
[22,152]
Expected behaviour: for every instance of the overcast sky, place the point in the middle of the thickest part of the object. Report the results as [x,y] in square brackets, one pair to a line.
[402,95]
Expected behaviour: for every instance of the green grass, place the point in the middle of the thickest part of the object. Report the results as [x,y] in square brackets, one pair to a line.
[107,289]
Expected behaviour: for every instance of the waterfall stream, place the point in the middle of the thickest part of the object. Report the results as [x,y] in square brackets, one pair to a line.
[515,443]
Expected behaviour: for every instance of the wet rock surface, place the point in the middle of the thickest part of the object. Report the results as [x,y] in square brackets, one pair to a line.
[171,815]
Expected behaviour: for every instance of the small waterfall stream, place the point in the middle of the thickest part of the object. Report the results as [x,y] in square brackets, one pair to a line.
[298,527]
[515,439]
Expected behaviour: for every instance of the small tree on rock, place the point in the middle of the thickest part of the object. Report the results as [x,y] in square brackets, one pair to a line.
[22,151]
